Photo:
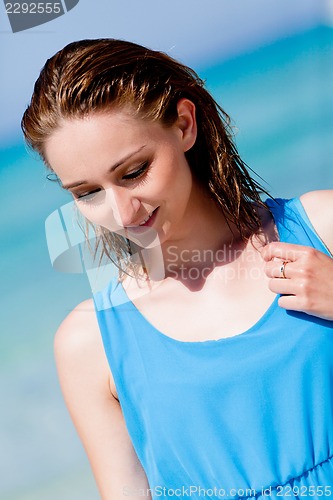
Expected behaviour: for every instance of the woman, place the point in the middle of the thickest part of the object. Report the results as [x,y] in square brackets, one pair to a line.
[189,375]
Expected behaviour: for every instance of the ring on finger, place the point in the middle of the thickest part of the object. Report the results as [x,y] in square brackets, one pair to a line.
[283,270]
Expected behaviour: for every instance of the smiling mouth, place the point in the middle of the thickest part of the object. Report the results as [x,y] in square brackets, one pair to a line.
[148,221]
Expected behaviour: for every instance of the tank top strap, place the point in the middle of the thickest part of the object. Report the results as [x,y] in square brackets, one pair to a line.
[293,223]
[114,316]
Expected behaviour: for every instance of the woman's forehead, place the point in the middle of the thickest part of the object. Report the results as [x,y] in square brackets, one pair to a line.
[99,141]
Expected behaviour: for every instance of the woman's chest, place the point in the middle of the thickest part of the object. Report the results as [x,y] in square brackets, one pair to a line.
[220,310]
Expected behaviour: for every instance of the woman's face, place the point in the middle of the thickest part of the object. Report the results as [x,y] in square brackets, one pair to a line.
[121,169]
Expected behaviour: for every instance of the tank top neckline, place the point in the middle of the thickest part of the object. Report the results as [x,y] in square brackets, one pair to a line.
[148,325]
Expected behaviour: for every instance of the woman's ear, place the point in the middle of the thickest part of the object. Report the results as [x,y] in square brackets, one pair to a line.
[187,123]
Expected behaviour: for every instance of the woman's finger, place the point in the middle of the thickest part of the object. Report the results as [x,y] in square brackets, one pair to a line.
[283,287]
[292,302]
[276,268]
[284,251]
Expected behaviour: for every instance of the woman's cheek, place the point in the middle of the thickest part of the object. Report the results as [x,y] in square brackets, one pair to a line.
[99,215]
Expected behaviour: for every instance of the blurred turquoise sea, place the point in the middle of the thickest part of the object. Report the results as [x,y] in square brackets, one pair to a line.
[281,103]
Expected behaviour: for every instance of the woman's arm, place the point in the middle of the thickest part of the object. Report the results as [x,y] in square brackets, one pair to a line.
[85,382]
[308,286]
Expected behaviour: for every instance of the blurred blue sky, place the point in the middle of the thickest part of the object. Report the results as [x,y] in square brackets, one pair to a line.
[270,65]
[196,32]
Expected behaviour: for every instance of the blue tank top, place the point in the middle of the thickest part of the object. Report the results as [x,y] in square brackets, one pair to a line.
[243,416]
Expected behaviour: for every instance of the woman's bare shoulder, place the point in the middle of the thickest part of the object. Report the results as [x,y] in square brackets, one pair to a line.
[79,329]
[319,207]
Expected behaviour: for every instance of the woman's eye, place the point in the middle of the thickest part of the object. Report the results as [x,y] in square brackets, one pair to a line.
[87,197]
[137,173]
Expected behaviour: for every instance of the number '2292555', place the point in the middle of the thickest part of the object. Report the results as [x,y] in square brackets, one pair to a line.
[33,8]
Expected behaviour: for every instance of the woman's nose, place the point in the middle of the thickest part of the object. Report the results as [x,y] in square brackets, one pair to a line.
[124,206]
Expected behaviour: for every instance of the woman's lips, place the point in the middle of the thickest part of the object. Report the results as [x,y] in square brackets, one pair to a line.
[149,222]
[151,219]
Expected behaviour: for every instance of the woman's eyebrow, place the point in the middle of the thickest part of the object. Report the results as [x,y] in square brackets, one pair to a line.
[111,169]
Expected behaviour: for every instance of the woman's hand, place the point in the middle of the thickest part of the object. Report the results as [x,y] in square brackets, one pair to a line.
[308,282]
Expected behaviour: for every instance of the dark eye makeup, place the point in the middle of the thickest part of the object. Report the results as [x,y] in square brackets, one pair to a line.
[90,195]
[87,196]
[137,173]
